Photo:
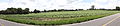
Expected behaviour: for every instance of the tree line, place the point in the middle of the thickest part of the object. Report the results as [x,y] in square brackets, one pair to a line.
[93,8]
[15,11]
[26,10]
[55,10]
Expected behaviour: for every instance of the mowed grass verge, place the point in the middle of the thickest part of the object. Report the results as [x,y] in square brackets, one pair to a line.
[57,18]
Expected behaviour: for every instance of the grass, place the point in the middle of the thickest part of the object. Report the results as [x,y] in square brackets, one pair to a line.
[58,18]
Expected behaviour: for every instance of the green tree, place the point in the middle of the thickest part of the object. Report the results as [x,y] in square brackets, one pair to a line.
[11,10]
[45,10]
[36,11]
[19,10]
[26,10]
[117,8]
[92,7]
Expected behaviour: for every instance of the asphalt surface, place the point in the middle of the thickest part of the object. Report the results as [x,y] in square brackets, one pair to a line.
[115,22]
[112,20]
[9,23]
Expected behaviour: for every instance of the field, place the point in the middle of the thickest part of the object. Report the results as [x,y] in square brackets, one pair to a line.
[57,18]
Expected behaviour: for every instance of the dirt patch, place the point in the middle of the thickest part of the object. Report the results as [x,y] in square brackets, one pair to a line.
[46,19]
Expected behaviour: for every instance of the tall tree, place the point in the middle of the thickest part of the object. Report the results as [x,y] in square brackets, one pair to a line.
[26,10]
[45,10]
[11,10]
[92,7]
[36,11]
[19,10]
[14,10]
[117,8]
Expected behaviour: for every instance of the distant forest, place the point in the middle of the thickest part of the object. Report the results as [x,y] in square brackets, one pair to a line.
[26,10]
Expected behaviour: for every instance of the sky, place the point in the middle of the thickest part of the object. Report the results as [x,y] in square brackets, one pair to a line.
[58,4]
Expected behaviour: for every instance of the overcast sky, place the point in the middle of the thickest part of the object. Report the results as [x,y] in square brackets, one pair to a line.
[58,4]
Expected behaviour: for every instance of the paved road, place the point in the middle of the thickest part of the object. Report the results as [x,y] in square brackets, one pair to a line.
[9,23]
[115,22]
[112,20]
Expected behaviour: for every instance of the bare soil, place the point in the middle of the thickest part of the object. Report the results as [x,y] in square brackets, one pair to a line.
[47,19]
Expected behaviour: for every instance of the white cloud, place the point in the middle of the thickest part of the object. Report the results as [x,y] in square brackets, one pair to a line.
[3,6]
[60,4]
[109,4]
